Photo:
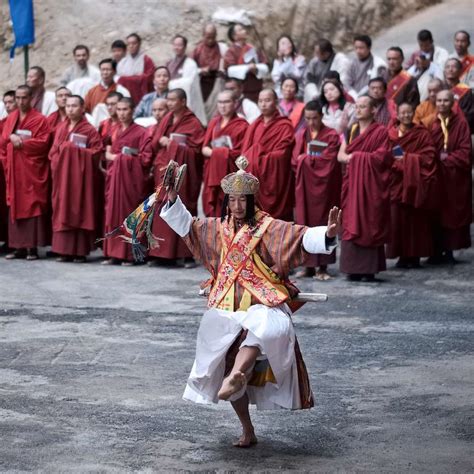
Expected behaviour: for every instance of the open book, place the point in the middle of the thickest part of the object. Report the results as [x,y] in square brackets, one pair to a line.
[78,140]
[128,150]
[23,134]
[222,141]
[179,138]
[316,148]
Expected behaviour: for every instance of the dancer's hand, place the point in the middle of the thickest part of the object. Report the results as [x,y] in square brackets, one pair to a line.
[172,195]
[334,222]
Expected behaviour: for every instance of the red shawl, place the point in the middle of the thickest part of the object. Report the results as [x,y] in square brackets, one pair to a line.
[26,168]
[318,178]
[268,148]
[365,198]
[207,56]
[414,179]
[222,160]
[455,172]
[74,174]
[55,120]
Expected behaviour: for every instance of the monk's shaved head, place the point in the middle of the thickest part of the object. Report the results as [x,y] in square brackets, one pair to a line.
[445,94]
[444,102]
[267,92]
[159,108]
[209,28]
[226,104]
[226,95]
[267,102]
[25,88]
[179,93]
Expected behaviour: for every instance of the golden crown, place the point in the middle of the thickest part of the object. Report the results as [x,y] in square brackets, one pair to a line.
[240,182]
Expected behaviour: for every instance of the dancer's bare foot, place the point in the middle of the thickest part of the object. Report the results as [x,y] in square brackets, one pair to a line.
[231,384]
[246,440]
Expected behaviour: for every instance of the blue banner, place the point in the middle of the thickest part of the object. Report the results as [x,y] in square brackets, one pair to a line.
[21,12]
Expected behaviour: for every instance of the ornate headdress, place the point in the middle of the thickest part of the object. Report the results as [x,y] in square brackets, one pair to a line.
[240,182]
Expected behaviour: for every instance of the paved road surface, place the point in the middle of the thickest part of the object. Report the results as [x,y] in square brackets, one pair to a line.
[93,361]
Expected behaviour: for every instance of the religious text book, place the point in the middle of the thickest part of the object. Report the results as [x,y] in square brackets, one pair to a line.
[179,138]
[128,150]
[222,141]
[316,148]
[78,140]
[23,134]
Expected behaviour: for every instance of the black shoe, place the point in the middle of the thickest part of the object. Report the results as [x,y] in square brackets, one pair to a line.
[19,253]
[434,260]
[189,262]
[354,277]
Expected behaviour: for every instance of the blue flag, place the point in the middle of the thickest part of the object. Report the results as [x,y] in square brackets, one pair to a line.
[22,16]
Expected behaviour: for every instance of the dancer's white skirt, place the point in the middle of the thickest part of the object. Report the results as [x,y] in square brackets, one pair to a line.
[270,329]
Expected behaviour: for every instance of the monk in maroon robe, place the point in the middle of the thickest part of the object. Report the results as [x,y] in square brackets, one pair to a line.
[413,190]
[318,180]
[129,159]
[10,105]
[242,53]
[179,137]
[462,92]
[452,139]
[136,69]
[59,116]
[74,159]
[24,148]
[365,198]
[207,55]
[108,127]
[268,146]
[401,87]
[222,146]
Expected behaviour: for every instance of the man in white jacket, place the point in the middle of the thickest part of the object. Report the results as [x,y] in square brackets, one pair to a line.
[363,67]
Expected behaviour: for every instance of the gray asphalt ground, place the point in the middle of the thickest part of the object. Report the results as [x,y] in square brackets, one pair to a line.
[93,362]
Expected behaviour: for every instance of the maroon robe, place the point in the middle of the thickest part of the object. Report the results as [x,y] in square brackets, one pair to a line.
[209,57]
[188,124]
[235,56]
[74,173]
[221,162]
[27,179]
[318,184]
[54,121]
[140,84]
[268,148]
[413,193]
[125,185]
[3,198]
[365,201]
[456,183]
[403,88]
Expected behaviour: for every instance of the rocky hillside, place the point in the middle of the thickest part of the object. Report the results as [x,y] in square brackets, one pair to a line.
[62,24]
